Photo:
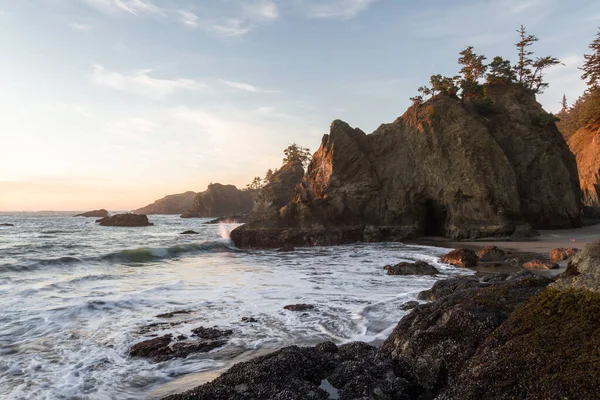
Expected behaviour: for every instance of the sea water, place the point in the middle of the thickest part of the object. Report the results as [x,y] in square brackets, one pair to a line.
[75,296]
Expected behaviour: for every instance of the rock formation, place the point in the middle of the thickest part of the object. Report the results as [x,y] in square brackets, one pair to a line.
[416,268]
[444,168]
[172,204]
[125,220]
[102,213]
[585,144]
[220,200]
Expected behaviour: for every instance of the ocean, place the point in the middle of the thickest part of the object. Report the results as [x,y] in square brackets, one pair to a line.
[75,296]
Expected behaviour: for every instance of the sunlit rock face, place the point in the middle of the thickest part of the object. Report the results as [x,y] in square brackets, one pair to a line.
[447,168]
[585,144]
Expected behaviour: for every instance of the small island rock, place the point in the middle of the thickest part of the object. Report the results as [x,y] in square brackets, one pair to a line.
[125,220]
[95,214]
[406,268]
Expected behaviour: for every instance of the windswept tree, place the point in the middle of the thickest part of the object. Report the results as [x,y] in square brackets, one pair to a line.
[473,68]
[444,85]
[591,67]
[529,71]
[564,104]
[294,153]
[500,72]
[255,184]
[268,176]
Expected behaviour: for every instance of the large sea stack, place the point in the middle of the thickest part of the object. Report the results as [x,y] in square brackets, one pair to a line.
[172,204]
[459,169]
[585,144]
[220,200]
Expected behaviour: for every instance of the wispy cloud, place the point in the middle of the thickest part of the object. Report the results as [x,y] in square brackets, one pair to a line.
[125,6]
[80,27]
[141,83]
[246,87]
[229,27]
[188,18]
[264,9]
[335,9]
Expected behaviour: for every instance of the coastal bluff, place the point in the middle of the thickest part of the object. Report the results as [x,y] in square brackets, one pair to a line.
[461,169]
[169,205]
[585,144]
[220,200]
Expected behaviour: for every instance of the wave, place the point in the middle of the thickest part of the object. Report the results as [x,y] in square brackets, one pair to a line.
[129,256]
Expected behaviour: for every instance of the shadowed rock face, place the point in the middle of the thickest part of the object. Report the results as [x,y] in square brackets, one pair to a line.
[585,144]
[220,200]
[440,169]
[125,220]
[172,204]
[96,214]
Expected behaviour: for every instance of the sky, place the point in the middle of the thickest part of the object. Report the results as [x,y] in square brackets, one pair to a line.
[115,103]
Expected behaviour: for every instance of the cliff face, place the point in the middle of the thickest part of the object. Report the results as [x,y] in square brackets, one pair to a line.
[444,168]
[220,200]
[172,204]
[585,144]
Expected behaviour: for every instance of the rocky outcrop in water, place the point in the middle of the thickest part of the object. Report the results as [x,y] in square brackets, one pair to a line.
[491,254]
[585,144]
[220,200]
[6,224]
[125,220]
[172,204]
[416,268]
[463,258]
[561,254]
[443,168]
[102,213]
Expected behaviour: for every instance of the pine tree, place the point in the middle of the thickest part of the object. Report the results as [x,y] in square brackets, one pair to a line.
[523,67]
[564,104]
[500,72]
[473,68]
[591,67]
[268,176]
[294,153]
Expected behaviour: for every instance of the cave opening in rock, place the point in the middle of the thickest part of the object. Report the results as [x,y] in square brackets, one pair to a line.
[435,219]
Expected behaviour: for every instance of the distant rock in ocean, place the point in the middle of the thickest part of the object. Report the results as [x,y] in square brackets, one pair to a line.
[172,204]
[125,220]
[220,200]
[102,213]
[445,168]
[585,144]
[6,224]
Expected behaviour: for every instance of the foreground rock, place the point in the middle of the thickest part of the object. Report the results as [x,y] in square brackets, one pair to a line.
[299,373]
[491,254]
[6,224]
[585,145]
[444,168]
[464,258]
[406,268]
[96,214]
[299,307]
[125,220]
[540,265]
[583,271]
[219,200]
[561,254]
[169,205]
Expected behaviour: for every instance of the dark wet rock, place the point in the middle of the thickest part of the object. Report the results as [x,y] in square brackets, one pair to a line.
[286,249]
[446,287]
[125,220]
[219,200]
[189,233]
[491,254]
[299,307]
[169,205]
[425,175]
[6,224]
[409,305]
[561,254]
[173,313]
[96,214]
[156,326]
[327,347]
[211,333]
[406,268]
[464,258]
[165,347]
[494,278]
[249,320]
[439,338]
[540,265]
[230,219]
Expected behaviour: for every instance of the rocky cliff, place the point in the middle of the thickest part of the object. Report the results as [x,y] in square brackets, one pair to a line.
[585,144]
[220,200]
[172,204]
[460,169]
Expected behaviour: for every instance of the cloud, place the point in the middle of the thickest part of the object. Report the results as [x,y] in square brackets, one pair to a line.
[80,27]
[135,7]
[265,9]
[141,83]
[245,87]
[188,18]
[229,27]
[335,9]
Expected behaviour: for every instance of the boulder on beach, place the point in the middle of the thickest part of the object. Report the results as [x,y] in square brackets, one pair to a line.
[125,220]
[540,265]
[96,214]
[464,258]
[407,268]
[491,254]
[561,254]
